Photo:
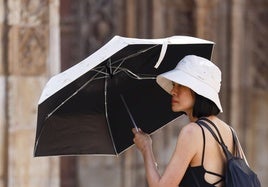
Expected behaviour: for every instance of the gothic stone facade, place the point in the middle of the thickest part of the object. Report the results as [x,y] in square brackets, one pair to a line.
[40,38]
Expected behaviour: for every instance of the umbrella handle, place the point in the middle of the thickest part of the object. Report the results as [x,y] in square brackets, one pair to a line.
[129,113]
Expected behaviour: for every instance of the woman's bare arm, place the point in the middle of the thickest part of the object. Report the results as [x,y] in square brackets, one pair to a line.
[184,152]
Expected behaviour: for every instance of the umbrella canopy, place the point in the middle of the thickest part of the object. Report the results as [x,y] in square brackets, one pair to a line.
[83,109]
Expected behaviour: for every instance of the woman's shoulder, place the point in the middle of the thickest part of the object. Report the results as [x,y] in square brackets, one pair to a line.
[190,130]
[189,138]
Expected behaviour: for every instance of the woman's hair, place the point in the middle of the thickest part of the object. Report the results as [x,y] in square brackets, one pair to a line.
[204,107]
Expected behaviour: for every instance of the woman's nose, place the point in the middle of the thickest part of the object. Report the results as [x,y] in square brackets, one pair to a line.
[173,92]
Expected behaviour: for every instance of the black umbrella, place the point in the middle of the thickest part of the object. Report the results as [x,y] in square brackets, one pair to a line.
[83,109]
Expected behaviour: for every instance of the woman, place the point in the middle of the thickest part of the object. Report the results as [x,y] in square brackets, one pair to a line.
[194,86]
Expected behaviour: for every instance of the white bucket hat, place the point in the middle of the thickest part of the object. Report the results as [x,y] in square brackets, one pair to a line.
[198,74]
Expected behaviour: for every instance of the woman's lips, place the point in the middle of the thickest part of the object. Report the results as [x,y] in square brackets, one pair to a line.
[173,101]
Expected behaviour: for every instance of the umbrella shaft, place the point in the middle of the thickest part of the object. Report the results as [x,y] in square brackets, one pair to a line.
[129,113]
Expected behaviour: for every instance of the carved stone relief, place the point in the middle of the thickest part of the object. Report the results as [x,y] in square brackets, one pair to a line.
[34,12]
[33,49]
[29,46]
[28,36]
[29,12]
[28,50]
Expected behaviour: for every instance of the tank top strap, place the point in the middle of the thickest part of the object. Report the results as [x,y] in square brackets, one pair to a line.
[204,144]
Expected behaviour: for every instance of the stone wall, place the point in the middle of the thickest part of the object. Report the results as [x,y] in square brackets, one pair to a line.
[30,49]
[254,83]
[29,55]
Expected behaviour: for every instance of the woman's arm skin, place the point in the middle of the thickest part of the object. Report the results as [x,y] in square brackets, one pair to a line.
[185,151]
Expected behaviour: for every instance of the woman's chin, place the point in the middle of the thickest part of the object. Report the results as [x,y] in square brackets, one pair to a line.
[174,109]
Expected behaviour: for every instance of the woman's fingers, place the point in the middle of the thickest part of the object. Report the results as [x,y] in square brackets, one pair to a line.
[134,130]
[142,140]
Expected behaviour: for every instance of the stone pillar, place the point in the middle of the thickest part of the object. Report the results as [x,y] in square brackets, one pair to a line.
[237,59]
[158,16]
[3,128]
[131,8]
[33,56]
[255,86]
[2,131]
[212,23]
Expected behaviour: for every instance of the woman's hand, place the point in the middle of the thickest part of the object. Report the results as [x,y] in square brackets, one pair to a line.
[142,140]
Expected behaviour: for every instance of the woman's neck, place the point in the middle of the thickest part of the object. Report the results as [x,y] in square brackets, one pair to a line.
[191,117]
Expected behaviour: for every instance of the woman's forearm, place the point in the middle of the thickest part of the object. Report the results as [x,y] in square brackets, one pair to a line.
[152,174]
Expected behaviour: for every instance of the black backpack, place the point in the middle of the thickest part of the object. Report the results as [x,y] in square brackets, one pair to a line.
[237,172]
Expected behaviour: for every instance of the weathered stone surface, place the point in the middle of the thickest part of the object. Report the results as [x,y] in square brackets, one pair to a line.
[179,18]
[2,131]
[257,17]
[238,28]
[1,51]
[2,101]
[23,169]
[258,135]
[33,55]
[28,50]
[24,93]
[31,13]
[2,11]
[2,17]
[99,171]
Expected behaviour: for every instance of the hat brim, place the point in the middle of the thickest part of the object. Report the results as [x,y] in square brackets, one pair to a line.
[176,75]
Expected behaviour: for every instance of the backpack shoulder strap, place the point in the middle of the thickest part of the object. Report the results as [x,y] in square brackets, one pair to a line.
[202,123]
[238,151]
[236,143]
[219,140]
[218,132]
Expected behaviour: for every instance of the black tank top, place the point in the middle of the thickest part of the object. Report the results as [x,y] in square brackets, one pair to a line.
[196,175]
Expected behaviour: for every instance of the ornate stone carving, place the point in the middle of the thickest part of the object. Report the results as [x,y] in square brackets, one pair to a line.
[28,50]
[33,49]
[28,36]
[35,11]
[30,12]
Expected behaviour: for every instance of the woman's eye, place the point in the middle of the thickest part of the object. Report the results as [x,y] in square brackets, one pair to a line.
[174,84]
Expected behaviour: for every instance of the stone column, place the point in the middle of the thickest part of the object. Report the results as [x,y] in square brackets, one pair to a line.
[237,59]
[33,56]
[212,23]
[255,86]
[158,16]
[3,129]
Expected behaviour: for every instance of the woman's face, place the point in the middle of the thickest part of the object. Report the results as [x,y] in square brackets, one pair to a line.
[182,99]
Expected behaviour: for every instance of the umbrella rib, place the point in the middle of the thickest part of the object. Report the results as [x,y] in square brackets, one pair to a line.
[133,75]
[131,56]
[125,70]
[99,71]
[122,60]
[106,114]
[71,96]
